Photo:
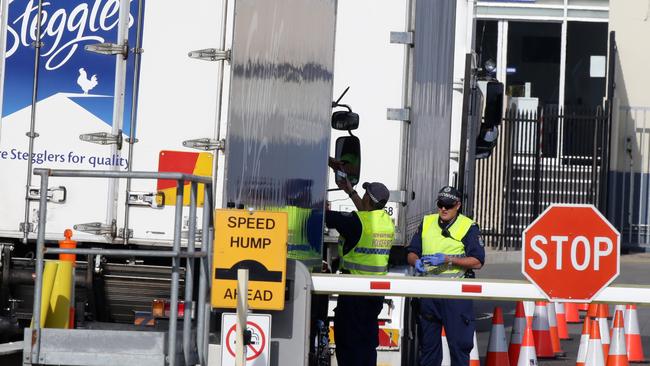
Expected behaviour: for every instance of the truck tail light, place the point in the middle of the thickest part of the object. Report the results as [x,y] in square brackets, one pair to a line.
[160,308]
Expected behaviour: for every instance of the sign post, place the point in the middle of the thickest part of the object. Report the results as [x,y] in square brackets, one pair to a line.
[252,240]
[257,352]
[571,252]
[242,311]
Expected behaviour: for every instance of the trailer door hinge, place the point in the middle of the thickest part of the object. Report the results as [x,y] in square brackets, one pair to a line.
[120,233]
[206,144]
[109,49]
[31,228]
[399,114]
[103,138]
[149,199]
[98,228]
[197,235]
[54,194]
[210,54]
[402,38]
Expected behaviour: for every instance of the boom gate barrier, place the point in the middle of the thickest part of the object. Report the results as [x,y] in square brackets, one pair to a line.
[478,289]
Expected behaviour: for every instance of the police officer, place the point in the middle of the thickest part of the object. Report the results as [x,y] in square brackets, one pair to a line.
[447,244]
[366,237]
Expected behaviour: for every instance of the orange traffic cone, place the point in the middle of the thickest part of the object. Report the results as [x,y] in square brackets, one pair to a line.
[474,359]
[632,336]
[583,307]
[446,358]
[527,354]
[552,327]
[617,351]
[617,308]
[584,342]
[603,311]
[595,355]
[560,318]
[529,310]
[497,353]
[571,311]
[541,331]
[592,311]
[517,335]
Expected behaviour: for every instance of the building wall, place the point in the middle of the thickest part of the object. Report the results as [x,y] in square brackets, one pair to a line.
[629,188]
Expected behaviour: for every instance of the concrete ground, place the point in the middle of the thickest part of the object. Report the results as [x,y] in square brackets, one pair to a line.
[507,265]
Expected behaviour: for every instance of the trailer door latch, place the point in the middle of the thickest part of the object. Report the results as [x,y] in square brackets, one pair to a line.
[55,194]
[149,199]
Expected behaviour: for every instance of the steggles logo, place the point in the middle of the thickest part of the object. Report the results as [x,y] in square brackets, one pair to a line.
[63,30]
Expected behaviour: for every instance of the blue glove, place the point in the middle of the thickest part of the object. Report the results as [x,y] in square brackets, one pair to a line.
[419,266]
[434,259]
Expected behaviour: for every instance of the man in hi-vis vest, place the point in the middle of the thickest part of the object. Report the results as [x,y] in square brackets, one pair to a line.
[366,237]
[448,245]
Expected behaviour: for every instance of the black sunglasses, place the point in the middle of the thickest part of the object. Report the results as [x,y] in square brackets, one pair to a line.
[446,206]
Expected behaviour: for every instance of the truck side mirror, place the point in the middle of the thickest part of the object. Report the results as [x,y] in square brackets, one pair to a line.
[345,120]
[348,150]
[493,104]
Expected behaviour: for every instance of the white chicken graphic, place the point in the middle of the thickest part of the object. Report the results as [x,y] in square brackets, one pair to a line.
[83,81]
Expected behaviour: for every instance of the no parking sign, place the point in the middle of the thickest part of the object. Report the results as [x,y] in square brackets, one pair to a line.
[257,352]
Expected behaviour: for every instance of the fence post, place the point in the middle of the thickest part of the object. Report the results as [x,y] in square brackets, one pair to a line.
[538,162]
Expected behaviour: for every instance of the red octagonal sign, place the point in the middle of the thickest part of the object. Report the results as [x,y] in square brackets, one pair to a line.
[571,252]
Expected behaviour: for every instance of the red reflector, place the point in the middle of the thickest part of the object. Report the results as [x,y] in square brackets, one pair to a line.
[472,288]
[381,323]
[379,285]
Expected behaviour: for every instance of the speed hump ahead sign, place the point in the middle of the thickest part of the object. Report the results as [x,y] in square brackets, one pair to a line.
[253,240]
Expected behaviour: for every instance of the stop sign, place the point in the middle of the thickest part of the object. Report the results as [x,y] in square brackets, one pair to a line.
[571,252]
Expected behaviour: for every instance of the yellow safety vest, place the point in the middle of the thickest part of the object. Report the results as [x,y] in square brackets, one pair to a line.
[298,247]
[370,255]
[434,242]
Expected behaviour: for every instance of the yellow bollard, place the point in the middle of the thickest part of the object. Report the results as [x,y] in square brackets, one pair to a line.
[49,274]
[59,309]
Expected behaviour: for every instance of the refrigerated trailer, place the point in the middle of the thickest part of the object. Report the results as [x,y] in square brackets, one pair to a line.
[237,91]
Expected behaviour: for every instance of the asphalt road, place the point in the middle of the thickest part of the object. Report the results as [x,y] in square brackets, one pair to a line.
[634,271]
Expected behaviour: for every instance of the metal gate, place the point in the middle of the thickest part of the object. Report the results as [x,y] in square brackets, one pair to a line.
[550,155]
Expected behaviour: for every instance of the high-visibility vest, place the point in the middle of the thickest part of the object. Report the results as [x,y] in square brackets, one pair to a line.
[370,255]
[433,241]
[298,247]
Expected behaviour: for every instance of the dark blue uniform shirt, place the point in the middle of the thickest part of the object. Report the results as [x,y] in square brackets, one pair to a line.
[472,241]
[347,224]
